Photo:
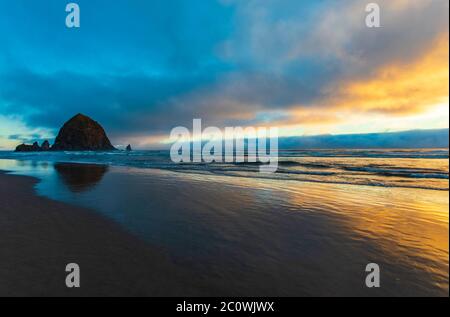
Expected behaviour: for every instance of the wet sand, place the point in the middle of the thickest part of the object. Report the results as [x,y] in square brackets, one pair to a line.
[152,232]
[39,237]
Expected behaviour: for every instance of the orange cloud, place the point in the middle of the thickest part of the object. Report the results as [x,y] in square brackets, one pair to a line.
[400,89]
[399,96]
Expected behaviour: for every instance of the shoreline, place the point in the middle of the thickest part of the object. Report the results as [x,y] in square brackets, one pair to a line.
[40,236]
[261,178]
[424,173]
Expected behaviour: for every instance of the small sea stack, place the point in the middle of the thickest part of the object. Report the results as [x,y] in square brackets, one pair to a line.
[45,146]
[28,148]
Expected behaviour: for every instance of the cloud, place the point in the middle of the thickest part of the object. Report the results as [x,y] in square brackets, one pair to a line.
[131,102]
[398,89]
[141,68]
[24,137]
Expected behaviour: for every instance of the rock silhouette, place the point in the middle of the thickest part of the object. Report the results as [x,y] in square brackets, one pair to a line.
[129,148]
[45,146]
[28,148]
[81,133]
[25,148]
[36,147]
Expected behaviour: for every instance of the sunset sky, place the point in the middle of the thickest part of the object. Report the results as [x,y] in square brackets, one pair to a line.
[141,67]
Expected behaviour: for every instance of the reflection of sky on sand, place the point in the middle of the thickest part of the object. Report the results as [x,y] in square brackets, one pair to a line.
[272,236]
[407,225]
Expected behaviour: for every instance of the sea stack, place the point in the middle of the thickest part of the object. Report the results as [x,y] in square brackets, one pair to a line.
[129,148]
[28,148]
[81,133]
[45,146]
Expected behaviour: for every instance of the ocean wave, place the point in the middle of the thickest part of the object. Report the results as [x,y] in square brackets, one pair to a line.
[359,182]
[410,173]
[388,172]
[370,153]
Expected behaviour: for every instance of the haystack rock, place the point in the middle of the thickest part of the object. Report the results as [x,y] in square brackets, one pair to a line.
[129,148]
[81,133]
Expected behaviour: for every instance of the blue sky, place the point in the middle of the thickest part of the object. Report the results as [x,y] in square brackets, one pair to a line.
[143,67]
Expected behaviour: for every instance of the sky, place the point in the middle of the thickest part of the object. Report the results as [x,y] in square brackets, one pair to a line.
[141,67]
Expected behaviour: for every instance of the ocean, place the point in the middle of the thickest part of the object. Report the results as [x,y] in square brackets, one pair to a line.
[423,168]
[309,229]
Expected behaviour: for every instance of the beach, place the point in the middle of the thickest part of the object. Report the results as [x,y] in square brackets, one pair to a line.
[39,237]
[156,232]
[262,149]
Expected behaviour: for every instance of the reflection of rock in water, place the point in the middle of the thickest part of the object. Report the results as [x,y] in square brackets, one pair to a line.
[80,177]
